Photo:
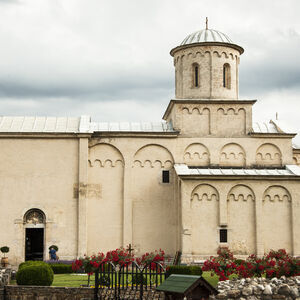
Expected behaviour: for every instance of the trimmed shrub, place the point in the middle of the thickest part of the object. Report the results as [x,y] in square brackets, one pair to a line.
[185,270]
[61,268]
[31,263]
[54,247]
[35,273]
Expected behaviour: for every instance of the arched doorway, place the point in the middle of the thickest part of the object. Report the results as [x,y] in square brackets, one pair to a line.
[34,221]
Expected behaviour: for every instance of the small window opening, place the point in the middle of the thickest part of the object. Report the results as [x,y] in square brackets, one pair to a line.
[226,76]
[165,176]
[223,235]
[196,81]
[196,76]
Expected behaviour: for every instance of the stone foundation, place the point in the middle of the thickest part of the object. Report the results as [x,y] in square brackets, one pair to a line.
[259,288]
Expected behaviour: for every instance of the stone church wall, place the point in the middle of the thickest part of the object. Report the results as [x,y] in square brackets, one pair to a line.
[38,173]
[258,215]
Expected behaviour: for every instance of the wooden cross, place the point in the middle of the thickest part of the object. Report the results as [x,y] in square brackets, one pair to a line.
[130,249]
[206,22]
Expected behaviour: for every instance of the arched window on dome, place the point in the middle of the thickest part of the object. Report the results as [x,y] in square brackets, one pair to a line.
[226,76]
[196,75]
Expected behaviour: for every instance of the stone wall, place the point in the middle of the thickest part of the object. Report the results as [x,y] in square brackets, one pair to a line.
[68,293]
[47,293]
[259,288]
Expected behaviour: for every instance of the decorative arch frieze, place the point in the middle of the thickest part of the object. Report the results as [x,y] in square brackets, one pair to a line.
[232,154]
[153,155]
[241,192]
[196,154]
[105,155]
[268,154]
[204,192]
[277,193]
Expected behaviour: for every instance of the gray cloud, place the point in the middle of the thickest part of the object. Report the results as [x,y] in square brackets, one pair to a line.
[110,59]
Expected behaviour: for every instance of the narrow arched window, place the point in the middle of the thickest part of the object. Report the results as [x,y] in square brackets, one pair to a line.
[226,76]
[196,78]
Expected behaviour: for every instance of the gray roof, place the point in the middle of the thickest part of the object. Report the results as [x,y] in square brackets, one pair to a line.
[183,169]
[264,127]
[206,35]
[39,124]
[132,126]
[83,124]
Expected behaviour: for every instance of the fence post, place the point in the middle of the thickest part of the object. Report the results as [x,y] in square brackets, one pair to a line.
[96,289]
[141,284]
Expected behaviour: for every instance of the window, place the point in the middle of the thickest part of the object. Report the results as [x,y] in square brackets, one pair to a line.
[226,76]
[165,176]
[223,235]
[196,80]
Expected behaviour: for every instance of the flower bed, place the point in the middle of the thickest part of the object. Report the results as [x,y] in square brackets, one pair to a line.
[274,264]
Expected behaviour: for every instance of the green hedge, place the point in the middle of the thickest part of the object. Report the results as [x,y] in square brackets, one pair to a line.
[61,268]
[186,270]
[34,273]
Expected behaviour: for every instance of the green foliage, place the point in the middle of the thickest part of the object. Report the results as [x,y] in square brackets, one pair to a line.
[35,273]
[54,247]
[31,263]
[4,249]
[61,268]
[239,262]
[186,270]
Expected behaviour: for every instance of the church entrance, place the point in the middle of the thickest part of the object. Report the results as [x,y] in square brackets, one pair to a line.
[34,247]
[34,221]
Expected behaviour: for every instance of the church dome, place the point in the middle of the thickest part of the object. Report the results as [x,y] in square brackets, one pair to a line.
[206,35]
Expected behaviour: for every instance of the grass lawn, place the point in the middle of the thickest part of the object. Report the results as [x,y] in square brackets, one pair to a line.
[71,280]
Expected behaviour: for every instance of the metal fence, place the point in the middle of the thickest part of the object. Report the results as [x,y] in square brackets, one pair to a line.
[128,282]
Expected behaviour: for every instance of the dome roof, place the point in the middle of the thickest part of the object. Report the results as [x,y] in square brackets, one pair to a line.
[206,35]
[209,36]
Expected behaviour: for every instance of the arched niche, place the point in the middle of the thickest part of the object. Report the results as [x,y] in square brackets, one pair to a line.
[232,154]
[204,192]
[241,192]
[204,211]
[105,155]
[277,216]
[153,155]
[268,155]
[241,206]
[196,154]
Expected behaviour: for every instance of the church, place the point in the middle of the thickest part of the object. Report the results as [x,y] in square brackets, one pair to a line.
[204,177]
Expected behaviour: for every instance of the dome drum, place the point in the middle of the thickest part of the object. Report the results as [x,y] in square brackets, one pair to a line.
[206,66]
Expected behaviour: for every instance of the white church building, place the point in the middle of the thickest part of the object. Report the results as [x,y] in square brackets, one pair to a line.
[204,177]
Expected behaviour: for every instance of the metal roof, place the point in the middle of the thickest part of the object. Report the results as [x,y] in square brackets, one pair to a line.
[290,170]
[39,124]
[83,124]
[264,127]
[206,35]
[132,126]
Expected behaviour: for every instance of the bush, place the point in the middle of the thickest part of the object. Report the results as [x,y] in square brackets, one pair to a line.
[31,263]
[35,273]
[61,268]
[185,270]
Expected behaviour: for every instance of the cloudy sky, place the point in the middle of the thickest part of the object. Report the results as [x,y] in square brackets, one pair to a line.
[110,58]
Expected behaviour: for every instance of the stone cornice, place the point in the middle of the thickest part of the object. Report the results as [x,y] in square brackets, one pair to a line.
[133,134]
[204,101]
[52,135]
[228,45]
